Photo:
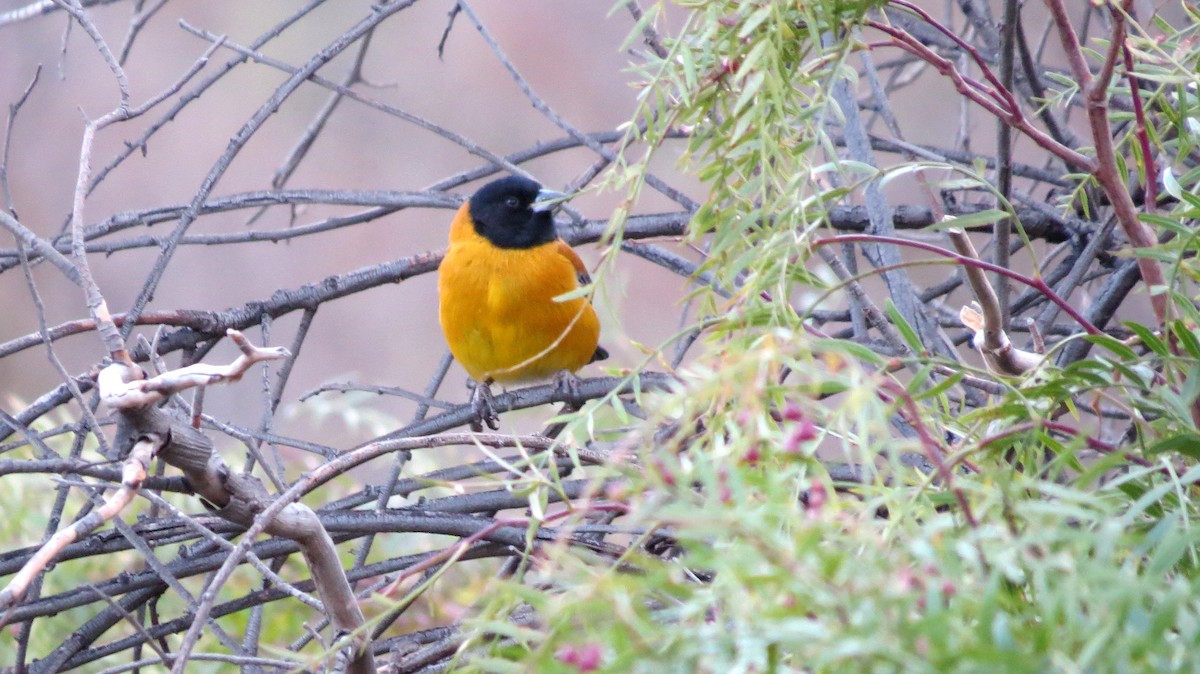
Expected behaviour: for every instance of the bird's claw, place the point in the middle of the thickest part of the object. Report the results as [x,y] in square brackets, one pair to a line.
[566,386]
[483,408]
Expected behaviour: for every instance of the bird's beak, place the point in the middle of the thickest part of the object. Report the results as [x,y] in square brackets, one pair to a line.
[549,200]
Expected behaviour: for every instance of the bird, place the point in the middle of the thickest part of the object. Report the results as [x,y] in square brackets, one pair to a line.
[497,285]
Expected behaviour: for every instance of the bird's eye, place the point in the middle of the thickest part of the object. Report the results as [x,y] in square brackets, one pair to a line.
[512,202]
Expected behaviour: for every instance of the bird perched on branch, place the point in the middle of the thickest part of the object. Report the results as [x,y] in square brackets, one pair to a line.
[497,289]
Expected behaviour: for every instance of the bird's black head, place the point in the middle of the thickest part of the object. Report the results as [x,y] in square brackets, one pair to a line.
[506,212]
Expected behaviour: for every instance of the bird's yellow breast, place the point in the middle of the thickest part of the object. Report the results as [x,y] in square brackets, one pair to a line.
[498,312]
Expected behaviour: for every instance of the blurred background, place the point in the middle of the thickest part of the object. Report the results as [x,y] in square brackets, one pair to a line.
[570,53]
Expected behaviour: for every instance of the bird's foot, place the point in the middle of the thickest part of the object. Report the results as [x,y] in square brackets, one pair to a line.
[566,386]
[483,407]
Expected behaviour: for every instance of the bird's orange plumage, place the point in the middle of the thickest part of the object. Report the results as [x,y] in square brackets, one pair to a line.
[498,310]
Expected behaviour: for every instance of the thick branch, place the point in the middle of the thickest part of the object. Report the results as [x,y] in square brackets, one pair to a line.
[1107,171]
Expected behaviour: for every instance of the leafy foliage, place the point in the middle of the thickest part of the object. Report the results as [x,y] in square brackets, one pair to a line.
[1050,529]
[828,477]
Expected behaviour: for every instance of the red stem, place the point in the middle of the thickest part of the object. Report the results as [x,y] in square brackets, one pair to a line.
[1001,92]
[985,97]
[1105,169]
[1036,282]
[907,407]
[1150,199]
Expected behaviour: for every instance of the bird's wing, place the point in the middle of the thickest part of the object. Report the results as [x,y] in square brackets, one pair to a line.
[581,271]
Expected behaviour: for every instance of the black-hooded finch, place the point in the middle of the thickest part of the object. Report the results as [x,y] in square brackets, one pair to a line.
[497,287]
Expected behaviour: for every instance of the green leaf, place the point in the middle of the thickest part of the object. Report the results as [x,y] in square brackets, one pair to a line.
[854,350]
[942,386]
[1170,184]
[906,330]
[1187,443]
[1116,346]
[1148,338]
[961,184]
[1187,338]
[986,217]
[1170,551]
[1169,223]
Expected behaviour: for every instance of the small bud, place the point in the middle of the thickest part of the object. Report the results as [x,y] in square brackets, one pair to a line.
[567,655]
[802,432]
[793,412]
[585,658]
[752,455]
[817,496]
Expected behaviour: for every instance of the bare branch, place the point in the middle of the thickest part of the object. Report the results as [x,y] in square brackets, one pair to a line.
[120,393]
[132,476]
